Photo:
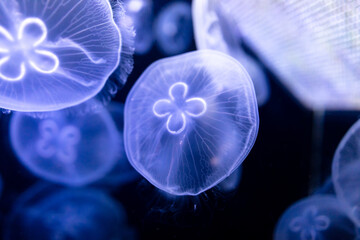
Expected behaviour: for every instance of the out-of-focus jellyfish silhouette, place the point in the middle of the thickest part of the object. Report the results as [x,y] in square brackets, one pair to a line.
[190,121]
[314,51]
[55,54]
[122,173]
[140,13]
[215,30]
[346,169]
[315,218]
[67,149]
[231,183]
[47,212]
[173,28]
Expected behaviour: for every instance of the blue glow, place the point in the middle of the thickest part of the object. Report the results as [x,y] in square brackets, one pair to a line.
[55,54]
[314,51]
[173,28]
[48,212]
[316,217]
[190,121]
[215,30]
[140,13]
[345,171]
[67,149]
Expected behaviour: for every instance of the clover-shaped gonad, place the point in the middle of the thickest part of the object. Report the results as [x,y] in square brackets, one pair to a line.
[18,52]
[309,224]
[178,107]
[55,142]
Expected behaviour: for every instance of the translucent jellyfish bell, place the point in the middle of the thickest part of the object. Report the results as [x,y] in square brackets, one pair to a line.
[173,28]
[314,51]
[346,169]
[215,30]
[141,14]
[316,218]
[55,54]
[68,149]
[231,183]
[190,121]
[48,212]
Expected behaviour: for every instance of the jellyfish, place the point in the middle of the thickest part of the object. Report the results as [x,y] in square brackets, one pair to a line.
[47,212]
[190,121]
[57,54]
[345,171]
[314,51]
[315,218]
[231,183]
[173,28]
[122,173]
[140,13]
[215,30]
[68,149]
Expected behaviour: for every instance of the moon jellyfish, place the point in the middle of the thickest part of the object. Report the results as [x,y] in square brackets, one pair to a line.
[316,218]
[67,149]
[346,169]
[46,212]
[190,121]
[173,28]
[141,14]
[55,54]
[314,51]
[122,173]
[215,30]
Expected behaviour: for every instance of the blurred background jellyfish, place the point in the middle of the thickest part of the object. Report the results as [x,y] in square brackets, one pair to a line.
[215,30]
[47,212]
[56,54]
[122,173]
[315,218]
[314,51]
[67,149]
[140,13]
[190,121]
[346,171]
[173,28]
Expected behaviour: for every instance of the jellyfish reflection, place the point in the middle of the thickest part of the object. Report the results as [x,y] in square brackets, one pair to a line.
[173,28]
[48,212]
[216,30]
[345,171]
[68,149]
[55,54]
[190,121]
[317,217]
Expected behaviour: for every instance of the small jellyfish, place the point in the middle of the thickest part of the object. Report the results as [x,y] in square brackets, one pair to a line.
[346,169]
[55,54]
[122,173]
[140,13]
[47,212]
[68,149]
[317,217]
[215,30]
[190,121]
[173,28]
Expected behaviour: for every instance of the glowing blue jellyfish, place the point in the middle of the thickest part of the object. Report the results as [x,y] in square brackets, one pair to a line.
[315,218]
[215,30]
[190,121]
[345,171]
[47,212]
[55,54]
[68,149]
[140,13]
[173,28]
[122,173]
[314,51]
